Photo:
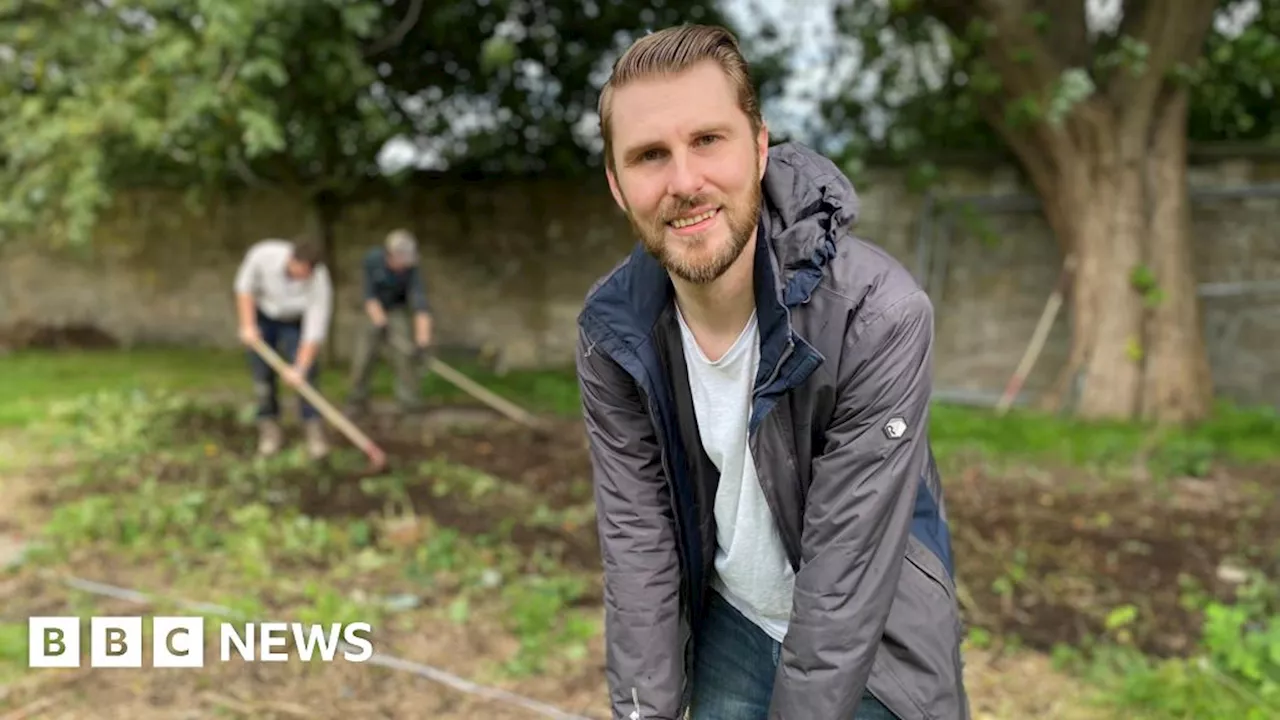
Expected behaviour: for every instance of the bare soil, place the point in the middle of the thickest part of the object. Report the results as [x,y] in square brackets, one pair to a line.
[1041,555]
[1044,556]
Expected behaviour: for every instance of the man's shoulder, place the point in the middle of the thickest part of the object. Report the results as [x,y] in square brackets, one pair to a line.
[615,277]
[867,278]
[268,249]
[372,256]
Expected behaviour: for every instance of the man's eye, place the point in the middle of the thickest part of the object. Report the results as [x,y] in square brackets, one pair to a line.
[707,139]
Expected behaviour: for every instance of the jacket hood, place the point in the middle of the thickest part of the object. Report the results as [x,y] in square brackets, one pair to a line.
[807,206]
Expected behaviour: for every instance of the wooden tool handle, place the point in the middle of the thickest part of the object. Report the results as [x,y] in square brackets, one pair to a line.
[330,413]
[475,389]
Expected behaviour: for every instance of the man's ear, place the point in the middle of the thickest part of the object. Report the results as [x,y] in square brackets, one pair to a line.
[613,188]
[762,147]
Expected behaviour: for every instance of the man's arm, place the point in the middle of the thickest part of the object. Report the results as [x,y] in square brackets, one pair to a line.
[858,514]
[315,321]
[637,543]
[421,308]
[377,314]
[244,285]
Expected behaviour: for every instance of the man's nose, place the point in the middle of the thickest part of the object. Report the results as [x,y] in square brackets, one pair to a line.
[686,176]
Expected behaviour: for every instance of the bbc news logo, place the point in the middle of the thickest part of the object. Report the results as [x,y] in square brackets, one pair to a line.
[179,642]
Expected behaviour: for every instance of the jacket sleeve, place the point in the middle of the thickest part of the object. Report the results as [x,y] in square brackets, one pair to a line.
[367,266]
[418,291]
[858,513]
[637,543]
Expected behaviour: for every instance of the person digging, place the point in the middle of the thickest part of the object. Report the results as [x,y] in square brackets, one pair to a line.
[394,298]
[284,297]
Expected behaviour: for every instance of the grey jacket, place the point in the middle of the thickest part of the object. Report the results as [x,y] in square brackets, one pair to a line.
[838,432]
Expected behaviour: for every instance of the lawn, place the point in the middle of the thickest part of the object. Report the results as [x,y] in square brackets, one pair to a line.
[1106,570]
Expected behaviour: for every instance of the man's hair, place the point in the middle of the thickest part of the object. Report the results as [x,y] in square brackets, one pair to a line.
[306,249]
[402,244]
[674,50]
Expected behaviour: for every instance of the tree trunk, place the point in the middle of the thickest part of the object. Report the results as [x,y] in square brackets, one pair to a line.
[1112,177]
[323,215]
[1121,206]
[1178,386]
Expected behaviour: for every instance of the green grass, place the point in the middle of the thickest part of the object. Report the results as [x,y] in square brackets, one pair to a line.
[33,380]
[1243,435]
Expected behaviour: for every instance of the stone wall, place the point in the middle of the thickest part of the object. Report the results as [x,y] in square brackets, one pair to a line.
[507,264]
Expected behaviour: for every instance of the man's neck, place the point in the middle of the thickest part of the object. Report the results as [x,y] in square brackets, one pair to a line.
[717,312]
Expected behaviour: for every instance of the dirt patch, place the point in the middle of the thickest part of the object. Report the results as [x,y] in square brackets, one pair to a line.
[554,464]
[548,472]
[74,336]
[1048,563]
[1044,556]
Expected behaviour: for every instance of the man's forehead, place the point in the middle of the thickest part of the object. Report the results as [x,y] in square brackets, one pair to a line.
[661,104]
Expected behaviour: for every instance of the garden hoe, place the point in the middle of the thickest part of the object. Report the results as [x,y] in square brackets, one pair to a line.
[377,458]
[477,391]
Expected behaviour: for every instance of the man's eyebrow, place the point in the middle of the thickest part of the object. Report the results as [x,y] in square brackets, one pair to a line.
[644,146]
[713,129]
[641,147]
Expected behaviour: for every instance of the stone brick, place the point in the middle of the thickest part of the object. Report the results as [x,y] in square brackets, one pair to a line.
[507,264]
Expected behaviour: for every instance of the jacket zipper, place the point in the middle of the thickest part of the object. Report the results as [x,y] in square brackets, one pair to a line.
[773,375]
[635,701]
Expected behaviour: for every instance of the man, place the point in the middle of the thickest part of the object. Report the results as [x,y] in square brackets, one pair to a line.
[755,383]
[393,288]
[284,297]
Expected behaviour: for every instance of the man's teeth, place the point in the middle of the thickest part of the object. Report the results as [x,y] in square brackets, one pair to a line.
[686,222]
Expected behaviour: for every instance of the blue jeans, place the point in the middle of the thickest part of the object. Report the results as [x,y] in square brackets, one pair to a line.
[283,337]
[734,670]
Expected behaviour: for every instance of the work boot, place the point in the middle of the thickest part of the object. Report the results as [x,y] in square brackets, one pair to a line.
[269,437]
[317,446]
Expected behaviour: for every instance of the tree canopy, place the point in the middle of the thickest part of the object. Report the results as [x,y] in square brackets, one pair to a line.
[205,92]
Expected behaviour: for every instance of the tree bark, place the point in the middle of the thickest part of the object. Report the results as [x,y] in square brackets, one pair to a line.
[1178,385]
[1098,220]
[1120,205]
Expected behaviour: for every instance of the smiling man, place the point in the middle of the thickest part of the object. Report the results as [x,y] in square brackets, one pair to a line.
[755,382]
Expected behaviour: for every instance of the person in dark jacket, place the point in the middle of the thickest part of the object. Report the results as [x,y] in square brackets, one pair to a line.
[395,298]
[755,385]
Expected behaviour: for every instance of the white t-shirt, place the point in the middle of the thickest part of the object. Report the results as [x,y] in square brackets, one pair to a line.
[752,571]
[262,274]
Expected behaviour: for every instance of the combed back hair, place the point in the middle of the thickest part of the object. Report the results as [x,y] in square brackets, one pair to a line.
[674,50]
[307,249]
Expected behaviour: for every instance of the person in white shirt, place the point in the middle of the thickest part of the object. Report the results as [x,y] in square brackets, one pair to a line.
[285,298]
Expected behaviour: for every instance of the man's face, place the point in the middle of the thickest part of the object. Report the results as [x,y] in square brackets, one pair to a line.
[688,170]
[299,270]
[395,263]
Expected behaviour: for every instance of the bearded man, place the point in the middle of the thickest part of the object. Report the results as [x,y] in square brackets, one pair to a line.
[755,382]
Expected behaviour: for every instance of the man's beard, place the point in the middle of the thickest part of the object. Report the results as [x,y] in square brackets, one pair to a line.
[741,218]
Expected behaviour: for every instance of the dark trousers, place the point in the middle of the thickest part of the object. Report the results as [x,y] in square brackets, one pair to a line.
[283,336]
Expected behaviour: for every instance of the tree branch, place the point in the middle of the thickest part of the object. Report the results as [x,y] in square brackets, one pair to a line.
[397,35]
[1027,70]
[1171,35]
[1067,33]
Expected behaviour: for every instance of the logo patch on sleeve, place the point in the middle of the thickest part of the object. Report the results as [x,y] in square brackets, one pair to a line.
[895,428]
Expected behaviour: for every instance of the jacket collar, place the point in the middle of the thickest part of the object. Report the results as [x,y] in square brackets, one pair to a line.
[806,205]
